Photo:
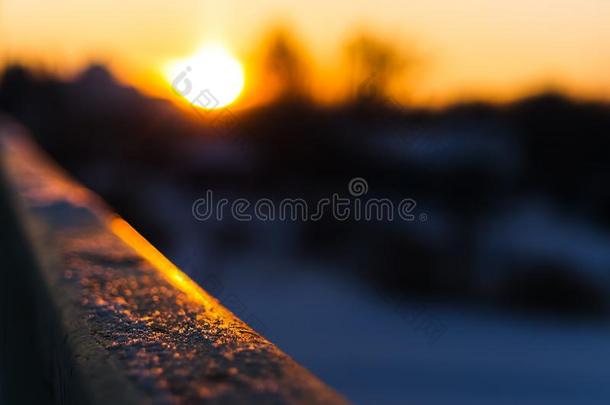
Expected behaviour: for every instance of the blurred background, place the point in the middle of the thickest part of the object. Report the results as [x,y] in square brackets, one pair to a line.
[492,115]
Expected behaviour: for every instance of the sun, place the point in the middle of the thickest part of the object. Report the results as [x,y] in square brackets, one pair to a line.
[211,78]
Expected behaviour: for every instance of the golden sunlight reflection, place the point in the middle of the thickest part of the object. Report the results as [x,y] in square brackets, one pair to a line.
[173,275]
[211,78]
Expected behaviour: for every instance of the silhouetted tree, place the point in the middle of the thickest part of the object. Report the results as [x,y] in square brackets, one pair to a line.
[284,61]
[374,65]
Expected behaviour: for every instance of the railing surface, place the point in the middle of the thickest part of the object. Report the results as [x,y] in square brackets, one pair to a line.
[112,320]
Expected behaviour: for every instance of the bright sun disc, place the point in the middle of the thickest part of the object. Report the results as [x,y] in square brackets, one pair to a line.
[211,78]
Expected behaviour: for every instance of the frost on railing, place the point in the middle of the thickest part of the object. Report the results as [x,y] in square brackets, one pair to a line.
[130,326]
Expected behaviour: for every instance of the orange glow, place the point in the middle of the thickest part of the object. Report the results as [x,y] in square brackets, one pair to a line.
[489,49]
[211,78]
[171,273]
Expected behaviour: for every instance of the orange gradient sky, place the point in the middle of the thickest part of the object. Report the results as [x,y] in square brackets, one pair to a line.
[488,49]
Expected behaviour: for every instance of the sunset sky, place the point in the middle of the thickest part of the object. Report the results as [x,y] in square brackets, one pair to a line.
[488,49]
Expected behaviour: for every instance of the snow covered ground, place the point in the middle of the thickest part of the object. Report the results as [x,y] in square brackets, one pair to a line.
[374,350]
[374,353]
